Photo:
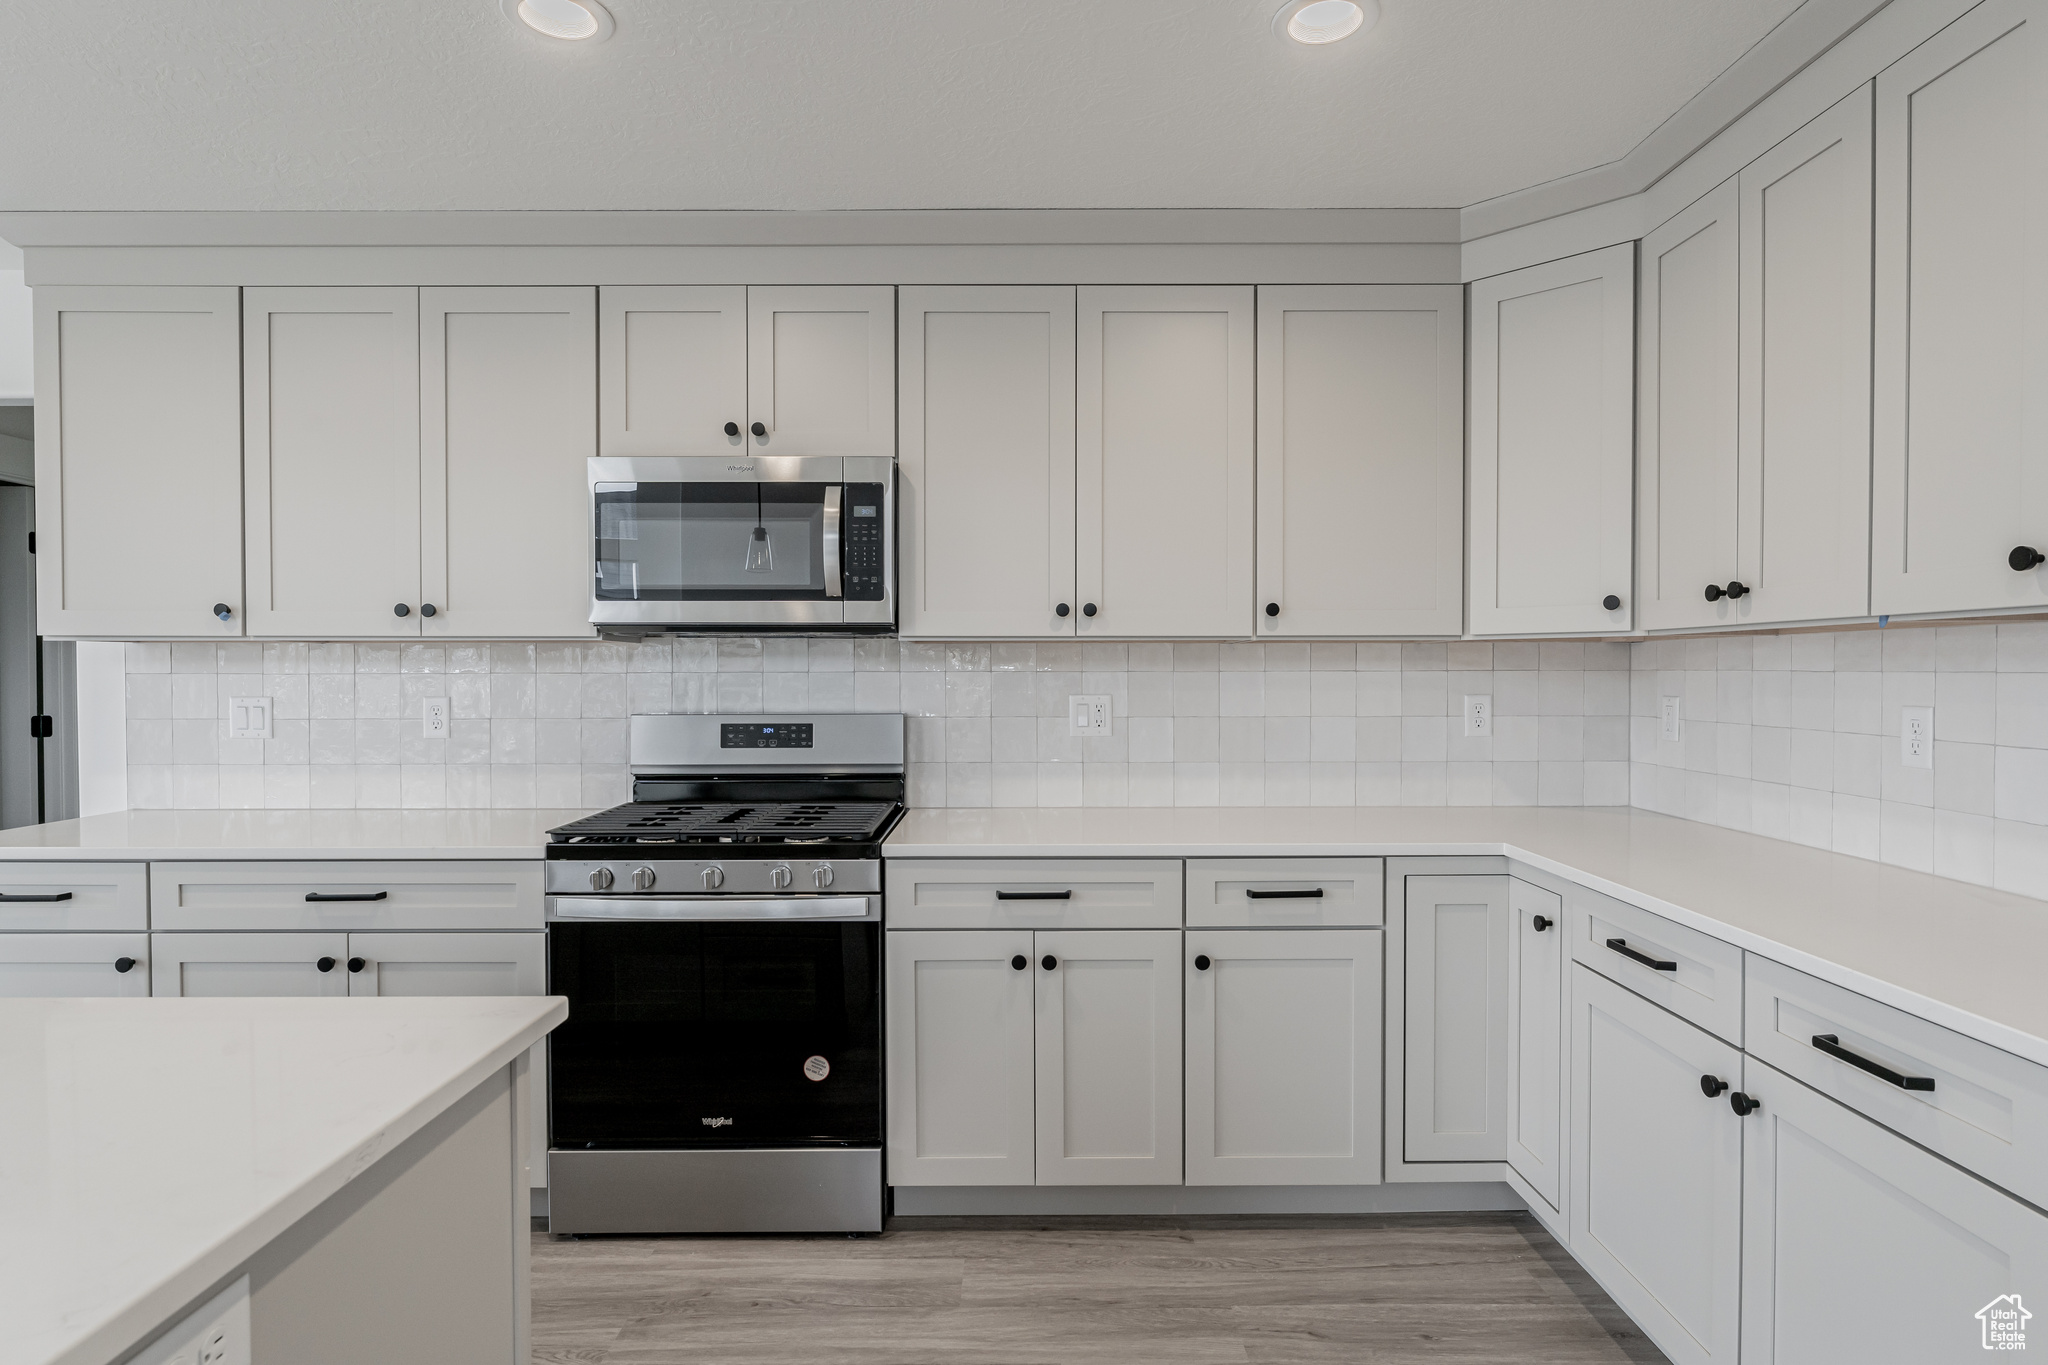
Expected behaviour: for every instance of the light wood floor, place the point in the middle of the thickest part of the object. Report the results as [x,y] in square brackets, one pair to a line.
[1477,1287]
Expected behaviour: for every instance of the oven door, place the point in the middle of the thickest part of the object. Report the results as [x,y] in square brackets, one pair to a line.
[695,1032]
[748,541]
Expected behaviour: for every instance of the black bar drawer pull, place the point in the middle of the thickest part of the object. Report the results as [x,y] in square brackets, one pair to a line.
[1034,895]
[47,896]
[1314,893]
[1831,1043]
[1620,945]
[346,895]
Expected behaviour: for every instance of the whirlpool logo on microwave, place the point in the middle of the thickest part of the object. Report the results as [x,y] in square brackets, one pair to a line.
[743,469]
[718,1123]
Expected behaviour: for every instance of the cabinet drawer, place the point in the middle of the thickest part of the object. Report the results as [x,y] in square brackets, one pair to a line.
[1987,1110]
[74,965]
[1034,893]
[407,895]
[1258,892]
[1702,980]
[56,897]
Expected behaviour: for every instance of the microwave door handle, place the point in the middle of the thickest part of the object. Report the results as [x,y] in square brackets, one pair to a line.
[833,584]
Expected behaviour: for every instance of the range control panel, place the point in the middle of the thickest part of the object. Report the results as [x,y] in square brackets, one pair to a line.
[862,542]
[764,736]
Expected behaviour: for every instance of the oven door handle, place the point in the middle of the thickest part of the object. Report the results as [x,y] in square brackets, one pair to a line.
[834,585]
[710,908]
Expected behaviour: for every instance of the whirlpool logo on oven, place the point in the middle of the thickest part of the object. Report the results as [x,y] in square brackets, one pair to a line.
[718,1123]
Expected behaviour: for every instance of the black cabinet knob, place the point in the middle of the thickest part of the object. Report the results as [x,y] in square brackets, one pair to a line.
[223,611]
[1019,962]
[758,429]
[2025,557]
[1711,1086]
[1201,962]
[1611,602]
[428,609]
[325,964]
[1272,608]
[1048,962]
[1087,608]
[732,428]
[1061,609]
[1714,593]
[356,964]
[1736,589]
[1541,922]
[1742,1104]
[401,610]
[124,964]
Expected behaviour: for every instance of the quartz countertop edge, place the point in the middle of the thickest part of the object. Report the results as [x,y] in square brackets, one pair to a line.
[156,1307]
[288,835]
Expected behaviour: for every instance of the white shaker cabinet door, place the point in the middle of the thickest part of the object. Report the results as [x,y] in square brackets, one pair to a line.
[1656,1179]
[1536,1031]
[1361,460]
[1283,1056]
[1109,1057]
[671,370]
[1553,447]
[1455,1088]
[821,369]
[1858,1246]
[138,461]
[508,422]
[960,1038]
[1165,460]
[331,404]
[1687,503]
[73,965]
[1960,476]
[987,495]
[1805,387]
[249,964]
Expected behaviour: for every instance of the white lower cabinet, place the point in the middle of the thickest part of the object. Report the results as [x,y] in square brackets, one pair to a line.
[1536,1018]
[1454,1102]
[1656,1172]
[1109,1057]
[1859,1246]
[307,964]
[73,965]
[1283,1056]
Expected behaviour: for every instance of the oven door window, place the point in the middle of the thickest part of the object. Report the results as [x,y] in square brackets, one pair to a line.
[710,542]
[704,1035]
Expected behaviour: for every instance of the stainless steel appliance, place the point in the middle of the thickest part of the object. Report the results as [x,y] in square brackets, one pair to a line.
[719,940]
[754,542]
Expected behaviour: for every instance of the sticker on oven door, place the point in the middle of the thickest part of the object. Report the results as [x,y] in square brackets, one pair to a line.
[817,1068]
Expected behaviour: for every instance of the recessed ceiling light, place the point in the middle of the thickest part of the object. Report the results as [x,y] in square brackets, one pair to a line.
[1317,22]
[570,20]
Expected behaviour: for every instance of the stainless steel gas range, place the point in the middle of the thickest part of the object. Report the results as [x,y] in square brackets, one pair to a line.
[719,940]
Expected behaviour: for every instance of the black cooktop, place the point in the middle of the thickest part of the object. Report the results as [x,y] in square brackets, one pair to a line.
[731,822]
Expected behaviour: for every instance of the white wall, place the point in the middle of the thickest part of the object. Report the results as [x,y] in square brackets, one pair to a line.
[17,353]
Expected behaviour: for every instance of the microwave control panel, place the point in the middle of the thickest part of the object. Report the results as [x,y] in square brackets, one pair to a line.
[861,542]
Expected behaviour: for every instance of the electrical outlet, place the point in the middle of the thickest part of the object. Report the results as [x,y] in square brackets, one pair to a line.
[1478,717]
[217,1333]
[1671,716]
[1916,736]
[434,717]
[1087,715]
[249,718]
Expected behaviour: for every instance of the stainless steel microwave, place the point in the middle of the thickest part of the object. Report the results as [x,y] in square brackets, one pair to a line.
[748,542]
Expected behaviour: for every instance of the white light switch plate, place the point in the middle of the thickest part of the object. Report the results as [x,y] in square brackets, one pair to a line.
[1478,716]
[1670,713]
[249,718]
[434,717]
[1916,736]
[1087,715]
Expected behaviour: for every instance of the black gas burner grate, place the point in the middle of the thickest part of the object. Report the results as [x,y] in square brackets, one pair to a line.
[657,822]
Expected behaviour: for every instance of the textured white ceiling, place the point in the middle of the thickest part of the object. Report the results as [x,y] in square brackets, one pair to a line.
[833,104]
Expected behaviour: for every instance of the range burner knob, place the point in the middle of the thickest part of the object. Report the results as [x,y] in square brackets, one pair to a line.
[714,877]
[643,879]
[822,875]
[778,877]
[601,879]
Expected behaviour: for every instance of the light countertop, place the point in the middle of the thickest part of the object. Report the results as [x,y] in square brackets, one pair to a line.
[168,834]
[148,1147]
[1968,957]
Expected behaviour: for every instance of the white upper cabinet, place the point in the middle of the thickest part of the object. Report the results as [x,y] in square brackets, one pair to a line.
[987,472]
[821,369]
[331,461]
[138,461]
[1165,459]
[1360,461]
[1553,446]
[1961,430]
[1687,506]
[672,369]
[508,417]
[1804,467]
